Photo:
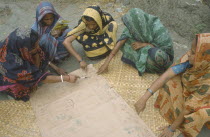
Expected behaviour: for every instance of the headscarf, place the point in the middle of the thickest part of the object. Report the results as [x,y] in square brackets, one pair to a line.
[42,9]
[18,73]
[48,44]
[147,28]
[101,18]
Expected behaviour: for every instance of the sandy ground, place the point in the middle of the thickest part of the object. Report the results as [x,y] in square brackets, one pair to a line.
[19,13]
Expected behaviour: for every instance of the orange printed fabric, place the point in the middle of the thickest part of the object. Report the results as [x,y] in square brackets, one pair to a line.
[190,90]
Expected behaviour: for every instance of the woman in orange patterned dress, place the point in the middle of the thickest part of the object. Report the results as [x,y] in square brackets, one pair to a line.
[184,97]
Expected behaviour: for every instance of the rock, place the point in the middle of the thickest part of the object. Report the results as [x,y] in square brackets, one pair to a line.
[126,2]
[118,1]
[5,10]
[119,10]
[207,2]
[187,17]
[109,5]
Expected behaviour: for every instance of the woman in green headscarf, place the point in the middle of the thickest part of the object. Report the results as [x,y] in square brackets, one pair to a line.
[145,43]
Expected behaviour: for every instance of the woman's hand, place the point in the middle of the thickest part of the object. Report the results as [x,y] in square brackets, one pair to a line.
[72,78]
[166,132]
[61,71]
[137,45]
[140,105]
[83,65]
[103,68]
[58,70]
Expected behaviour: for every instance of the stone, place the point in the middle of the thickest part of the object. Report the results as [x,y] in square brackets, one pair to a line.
[126,2]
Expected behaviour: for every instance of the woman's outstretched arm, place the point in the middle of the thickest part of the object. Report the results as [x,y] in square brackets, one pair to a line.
[168,131]
[157,84]
[59,70]
[104,67]
[62,78]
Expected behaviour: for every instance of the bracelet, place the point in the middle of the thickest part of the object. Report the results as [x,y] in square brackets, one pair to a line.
[169,128]
[61,78]
[150,91]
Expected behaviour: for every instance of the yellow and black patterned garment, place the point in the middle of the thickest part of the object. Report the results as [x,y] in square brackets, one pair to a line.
[99,42]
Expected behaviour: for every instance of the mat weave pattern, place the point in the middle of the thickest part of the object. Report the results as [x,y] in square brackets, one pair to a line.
[17,119]
[126,81]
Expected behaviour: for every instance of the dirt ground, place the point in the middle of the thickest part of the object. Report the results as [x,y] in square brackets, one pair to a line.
[183,18]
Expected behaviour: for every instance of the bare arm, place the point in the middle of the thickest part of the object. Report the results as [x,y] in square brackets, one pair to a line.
[111,55]
[179,120]
[55,79]
[68,44]
[157,84]
[60,71]
[168,131]
[116,49]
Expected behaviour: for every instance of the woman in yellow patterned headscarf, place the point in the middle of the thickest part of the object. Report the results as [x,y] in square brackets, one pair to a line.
[96,31]
[184,101]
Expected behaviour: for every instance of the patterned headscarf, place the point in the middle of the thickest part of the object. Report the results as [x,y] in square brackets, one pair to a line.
[48,44]
[100,17]
[42,9]
[147,28]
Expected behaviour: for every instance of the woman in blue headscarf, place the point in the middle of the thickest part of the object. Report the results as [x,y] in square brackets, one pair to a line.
[23,63]
[46,19]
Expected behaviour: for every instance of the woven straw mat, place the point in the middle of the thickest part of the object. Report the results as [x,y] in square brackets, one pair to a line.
[126,81]
[17,119]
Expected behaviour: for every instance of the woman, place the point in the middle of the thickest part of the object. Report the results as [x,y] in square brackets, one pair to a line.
[96,31]
[185,99]
[46,20]
[23,63]
[145,43]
